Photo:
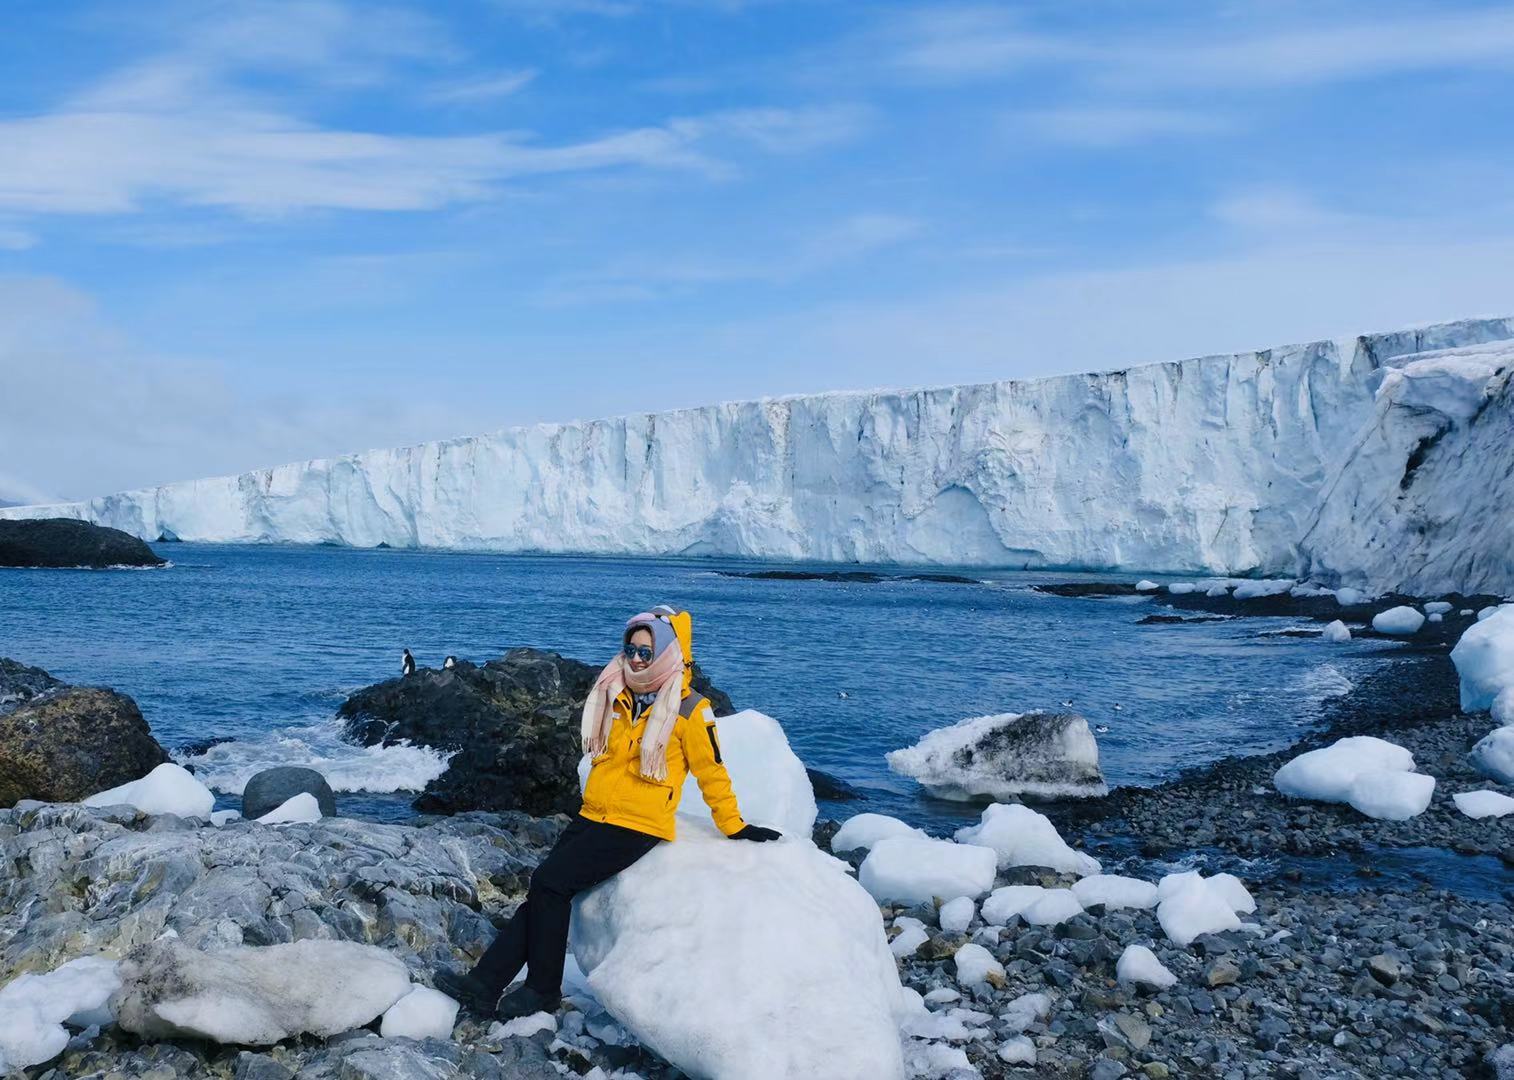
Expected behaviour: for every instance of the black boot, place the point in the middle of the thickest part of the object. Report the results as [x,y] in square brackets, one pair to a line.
[523,1001]
[472,993]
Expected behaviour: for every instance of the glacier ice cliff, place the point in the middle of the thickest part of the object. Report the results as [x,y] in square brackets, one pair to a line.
[1347,461]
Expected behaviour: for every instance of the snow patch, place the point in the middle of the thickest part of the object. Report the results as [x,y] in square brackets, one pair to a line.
[1022,837]
[168,789]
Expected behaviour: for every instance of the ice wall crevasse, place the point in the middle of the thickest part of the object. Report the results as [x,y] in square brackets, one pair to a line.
[1250,463]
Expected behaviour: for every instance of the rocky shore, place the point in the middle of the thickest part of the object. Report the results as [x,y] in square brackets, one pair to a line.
[66,543]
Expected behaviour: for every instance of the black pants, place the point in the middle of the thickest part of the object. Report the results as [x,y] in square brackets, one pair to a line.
[587,853]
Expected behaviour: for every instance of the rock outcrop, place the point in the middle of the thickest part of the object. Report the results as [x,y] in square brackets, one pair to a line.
[268,790]
[61,743]
[512,722]
[1047,755]
[65,542]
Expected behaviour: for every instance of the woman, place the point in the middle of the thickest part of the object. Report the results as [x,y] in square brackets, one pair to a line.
[644,731]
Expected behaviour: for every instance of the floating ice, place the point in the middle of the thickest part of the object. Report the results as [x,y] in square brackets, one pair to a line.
[1484,659]
[1146,585]
[1336,631]
[1481,804]
[1437,617]
[295,810]
[1251,590]
[168,789]
[1493,755]
[956,915]
[1401,621]
[865,830]
[1391,794]
[1438,607]
[1326,774]
[1138,965]
[1022,837]
[1115,892]
[1007,901]
[423,1013]
[33,1009]
[912,870]
[1051,755]
[975,964]
[1051,907]
[1195,907]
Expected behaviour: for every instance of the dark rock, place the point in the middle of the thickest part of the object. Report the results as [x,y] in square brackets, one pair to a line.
[19,683]
[829,787]
[271,788]
[71,742]
[1384,969]
[63,542]
[512,724]
[252,1066]
[1036,754]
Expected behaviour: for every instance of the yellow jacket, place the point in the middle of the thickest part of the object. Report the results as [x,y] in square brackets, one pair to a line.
[617,793]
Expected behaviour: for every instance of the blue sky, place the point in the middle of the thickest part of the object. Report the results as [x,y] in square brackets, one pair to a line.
[236,234]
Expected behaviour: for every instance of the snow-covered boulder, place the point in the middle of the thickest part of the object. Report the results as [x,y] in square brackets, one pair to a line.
[423,1013]
[255,995]
[1115,891]
[862,831]
[1391,794]
[1139,966]
[659,942]
[1336,631]
[168,789]
[1493,755]
[1194,907]
[911,870]
[1400,621]
[34,1008]
[1050,755]
[297,809]
[1482,804]
[1022,837]
[1326,775]
[1484,659]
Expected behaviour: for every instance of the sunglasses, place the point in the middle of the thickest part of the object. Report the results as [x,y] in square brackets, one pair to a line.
[638,652]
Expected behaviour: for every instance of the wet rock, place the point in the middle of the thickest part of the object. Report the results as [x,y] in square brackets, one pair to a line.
[271,788]
[63,542]
[827,786]
[1384,968]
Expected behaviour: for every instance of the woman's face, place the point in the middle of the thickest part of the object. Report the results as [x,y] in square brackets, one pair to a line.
[640,636]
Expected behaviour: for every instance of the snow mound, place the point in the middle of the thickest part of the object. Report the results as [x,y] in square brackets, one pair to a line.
[975,964]
[1007,901]
[423,1013]
[912,870]
[1115,891]
[33,1009]
[1194,907]
[1051,755]
[956,915]
[1481,804]
[1493,755]
[1022,837]
[1326,775]
[1391,794]
[168,789]
[1336,631]
[1484,659]
[659,942]
[1139,966]
[293,811]
[1401,621]
[862,831]
[255,995]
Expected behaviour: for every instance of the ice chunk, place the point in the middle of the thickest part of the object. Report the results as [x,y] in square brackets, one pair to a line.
[940,995]
[1194,908]
[1502,711]
[1391,794]
[1489,611]
[168,789]
[1025,1010]
[1139,966]
[219,818]
[1182,588]
[256,995]
[1145,585]
[1493,755]
[1481,804]
[1051,755]
[1234,891]
[1018,1051]
[293,811]
[957,915]
[33,1009]
[1007,901]
[1051,907]
[1326,774]
[1437,617]
[1022,837]
[975,964]
[1336,631]
[805,937]
[770,782]
[932,1061]
[1350,597]
[909,939]
[865,830]
[911,870]
[1484,659]
[423,1013]
[1115,892]
[1438,607]
[1402,621]
[1250,590]
[523,1027]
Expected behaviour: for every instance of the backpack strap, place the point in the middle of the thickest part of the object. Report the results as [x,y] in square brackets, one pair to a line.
[690,704]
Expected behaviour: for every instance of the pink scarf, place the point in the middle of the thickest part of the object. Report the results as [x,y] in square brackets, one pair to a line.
[664,676]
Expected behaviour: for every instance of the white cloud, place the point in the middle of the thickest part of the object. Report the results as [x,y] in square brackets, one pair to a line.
[481,89]
[1278,209]
[1104,126]
[945,42]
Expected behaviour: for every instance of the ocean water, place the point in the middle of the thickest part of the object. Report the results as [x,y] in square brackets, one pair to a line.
[259,645]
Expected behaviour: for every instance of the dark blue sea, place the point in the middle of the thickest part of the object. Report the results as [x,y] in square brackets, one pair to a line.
[259,645]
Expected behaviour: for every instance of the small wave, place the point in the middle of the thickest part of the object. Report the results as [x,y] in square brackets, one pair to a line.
[1324,682]
[226,767]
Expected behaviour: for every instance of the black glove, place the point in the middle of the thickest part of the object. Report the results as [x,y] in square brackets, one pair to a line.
[757,833]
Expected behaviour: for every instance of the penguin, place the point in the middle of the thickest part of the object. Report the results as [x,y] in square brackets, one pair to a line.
[1102,729]
[449,663]
[1067,704]
[407,664]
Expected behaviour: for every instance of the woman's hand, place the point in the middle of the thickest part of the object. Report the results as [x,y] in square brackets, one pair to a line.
[757,833]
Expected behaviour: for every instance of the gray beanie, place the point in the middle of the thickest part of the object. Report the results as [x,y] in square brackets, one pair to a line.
[662,632]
